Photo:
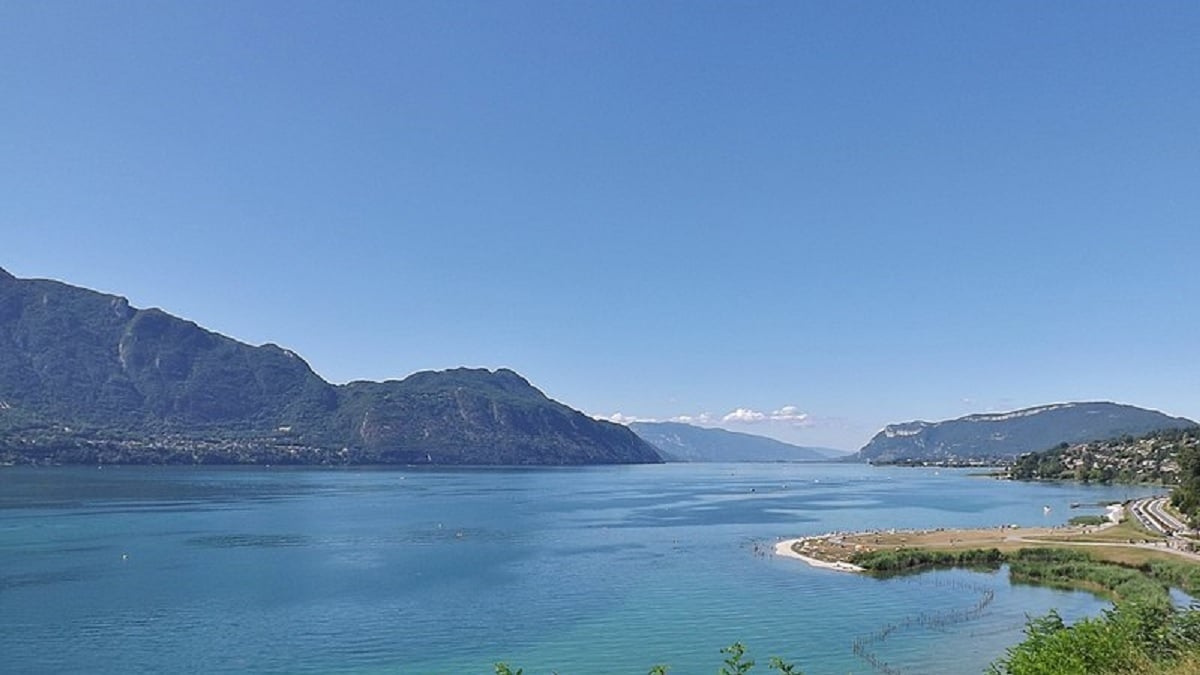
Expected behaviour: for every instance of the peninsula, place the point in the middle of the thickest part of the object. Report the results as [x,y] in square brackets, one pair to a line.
[1127,537]
[1131,559]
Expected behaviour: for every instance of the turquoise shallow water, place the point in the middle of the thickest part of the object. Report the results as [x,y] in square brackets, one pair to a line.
[579,571]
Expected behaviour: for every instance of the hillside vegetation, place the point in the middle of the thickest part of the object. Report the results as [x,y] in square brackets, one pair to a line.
[87,378]
[1186,495]
[1153,458]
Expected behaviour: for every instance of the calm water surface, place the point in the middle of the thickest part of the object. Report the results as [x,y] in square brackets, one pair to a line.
[580,571]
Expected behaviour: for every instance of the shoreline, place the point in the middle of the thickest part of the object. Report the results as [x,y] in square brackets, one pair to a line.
[1117,539]
[786,549]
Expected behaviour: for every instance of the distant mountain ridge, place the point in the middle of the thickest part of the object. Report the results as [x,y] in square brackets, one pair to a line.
[87,378]
[1001,436]
[678,442]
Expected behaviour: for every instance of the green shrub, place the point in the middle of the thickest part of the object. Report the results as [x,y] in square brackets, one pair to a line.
[904,560]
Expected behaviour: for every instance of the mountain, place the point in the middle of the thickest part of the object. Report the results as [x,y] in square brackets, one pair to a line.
[1002,436]
[678,442]
[86,378]
[466,416]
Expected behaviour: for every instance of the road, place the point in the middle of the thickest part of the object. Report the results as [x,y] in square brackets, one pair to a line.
[1152,513]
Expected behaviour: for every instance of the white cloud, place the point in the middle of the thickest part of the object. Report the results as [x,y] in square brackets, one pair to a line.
[701,419]
[788,414]
[788,423]
[620,418]
[744,416]
[792,415]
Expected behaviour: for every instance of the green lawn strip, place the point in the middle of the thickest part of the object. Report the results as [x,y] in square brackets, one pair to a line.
[1128,530]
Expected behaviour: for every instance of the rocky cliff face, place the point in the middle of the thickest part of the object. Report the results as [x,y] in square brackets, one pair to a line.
[995,436]
[85,377]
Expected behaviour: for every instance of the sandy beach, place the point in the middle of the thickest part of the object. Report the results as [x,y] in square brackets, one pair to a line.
[786,549]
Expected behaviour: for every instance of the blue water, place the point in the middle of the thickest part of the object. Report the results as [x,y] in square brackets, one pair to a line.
[579,571]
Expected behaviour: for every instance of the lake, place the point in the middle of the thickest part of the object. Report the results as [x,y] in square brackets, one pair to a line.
[579,571]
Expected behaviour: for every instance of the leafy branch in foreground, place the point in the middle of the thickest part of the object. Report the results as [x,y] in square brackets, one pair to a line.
[1128,639]
[782,666]
[737,662]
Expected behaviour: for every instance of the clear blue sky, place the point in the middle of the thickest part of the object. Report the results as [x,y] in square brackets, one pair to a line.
[871,212]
